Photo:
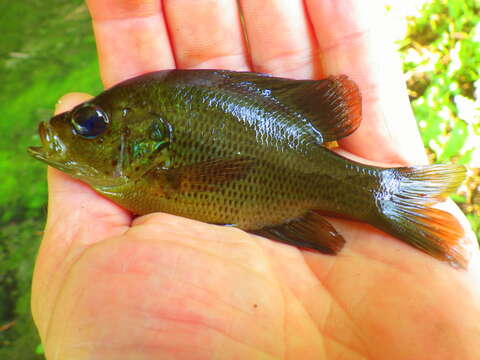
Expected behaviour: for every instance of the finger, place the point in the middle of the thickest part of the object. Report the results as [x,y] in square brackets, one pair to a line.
[77,218]
[280,38]
[352,40]
[206,34]
[131,37]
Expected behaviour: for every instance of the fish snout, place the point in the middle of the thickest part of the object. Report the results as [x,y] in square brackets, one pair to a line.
[43,133]
[49,138]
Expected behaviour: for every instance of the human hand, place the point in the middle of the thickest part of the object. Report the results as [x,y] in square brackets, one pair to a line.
[164,287]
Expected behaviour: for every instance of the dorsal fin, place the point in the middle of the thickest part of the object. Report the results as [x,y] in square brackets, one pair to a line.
[333,105]
[336,109]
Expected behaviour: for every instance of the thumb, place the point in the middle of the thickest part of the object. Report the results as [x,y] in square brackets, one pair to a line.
[77,218]
[75,205]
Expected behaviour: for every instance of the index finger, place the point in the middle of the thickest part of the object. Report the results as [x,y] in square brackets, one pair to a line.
[132,38]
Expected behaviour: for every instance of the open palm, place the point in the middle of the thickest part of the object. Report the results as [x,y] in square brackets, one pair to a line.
[164,287]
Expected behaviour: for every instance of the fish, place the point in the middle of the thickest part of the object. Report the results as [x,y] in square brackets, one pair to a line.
[249,150]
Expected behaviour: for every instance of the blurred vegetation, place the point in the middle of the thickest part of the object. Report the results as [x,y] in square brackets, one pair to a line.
[47,49]
[441,55]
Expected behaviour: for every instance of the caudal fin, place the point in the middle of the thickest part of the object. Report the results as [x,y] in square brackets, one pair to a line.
[406,210]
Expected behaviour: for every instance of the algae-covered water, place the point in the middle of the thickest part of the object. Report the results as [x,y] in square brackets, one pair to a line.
[46,49]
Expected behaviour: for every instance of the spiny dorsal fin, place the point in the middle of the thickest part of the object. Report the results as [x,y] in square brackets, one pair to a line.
[333,105]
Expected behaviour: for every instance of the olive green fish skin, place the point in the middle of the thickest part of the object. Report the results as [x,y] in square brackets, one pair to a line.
[291,172]
[267,195]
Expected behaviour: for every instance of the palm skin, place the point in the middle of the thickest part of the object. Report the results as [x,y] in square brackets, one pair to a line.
[107,286]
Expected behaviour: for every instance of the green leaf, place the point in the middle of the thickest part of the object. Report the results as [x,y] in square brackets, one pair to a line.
[39,350]
[459,199]
[455,142]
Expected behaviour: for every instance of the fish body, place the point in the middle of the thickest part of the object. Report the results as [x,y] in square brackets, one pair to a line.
[247,149]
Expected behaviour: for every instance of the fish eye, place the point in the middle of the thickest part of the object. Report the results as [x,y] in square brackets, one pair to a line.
[89,121]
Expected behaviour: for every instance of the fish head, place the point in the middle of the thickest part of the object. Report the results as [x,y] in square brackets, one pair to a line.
[105,143]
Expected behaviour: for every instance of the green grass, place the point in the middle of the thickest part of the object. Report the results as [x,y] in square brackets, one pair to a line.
[38,67]
[47,49]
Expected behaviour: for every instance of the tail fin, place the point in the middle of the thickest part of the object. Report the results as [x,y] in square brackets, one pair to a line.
[406,210]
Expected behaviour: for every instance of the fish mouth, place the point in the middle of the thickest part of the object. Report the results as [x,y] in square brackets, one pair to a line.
[50,139]
[52,148]
[53,152]
[39,153]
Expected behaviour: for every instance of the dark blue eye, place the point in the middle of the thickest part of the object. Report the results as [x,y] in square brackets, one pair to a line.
[89,121]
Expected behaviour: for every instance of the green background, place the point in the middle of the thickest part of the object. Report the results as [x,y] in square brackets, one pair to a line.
[47,49]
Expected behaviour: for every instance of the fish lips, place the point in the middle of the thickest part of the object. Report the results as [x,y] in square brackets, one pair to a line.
[53,150]
[52,147]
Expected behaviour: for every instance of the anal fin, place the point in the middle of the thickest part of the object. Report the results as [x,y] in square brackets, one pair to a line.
[311,231]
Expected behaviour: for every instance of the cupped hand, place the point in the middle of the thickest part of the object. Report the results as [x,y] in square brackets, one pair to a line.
[163,287]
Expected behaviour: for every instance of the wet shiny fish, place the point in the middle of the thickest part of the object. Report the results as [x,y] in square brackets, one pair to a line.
[248,150]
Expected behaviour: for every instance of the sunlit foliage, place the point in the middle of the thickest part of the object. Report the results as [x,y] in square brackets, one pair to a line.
[441,54]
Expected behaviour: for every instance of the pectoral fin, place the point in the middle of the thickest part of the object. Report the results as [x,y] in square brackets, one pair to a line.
[311,231]
[204,176]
